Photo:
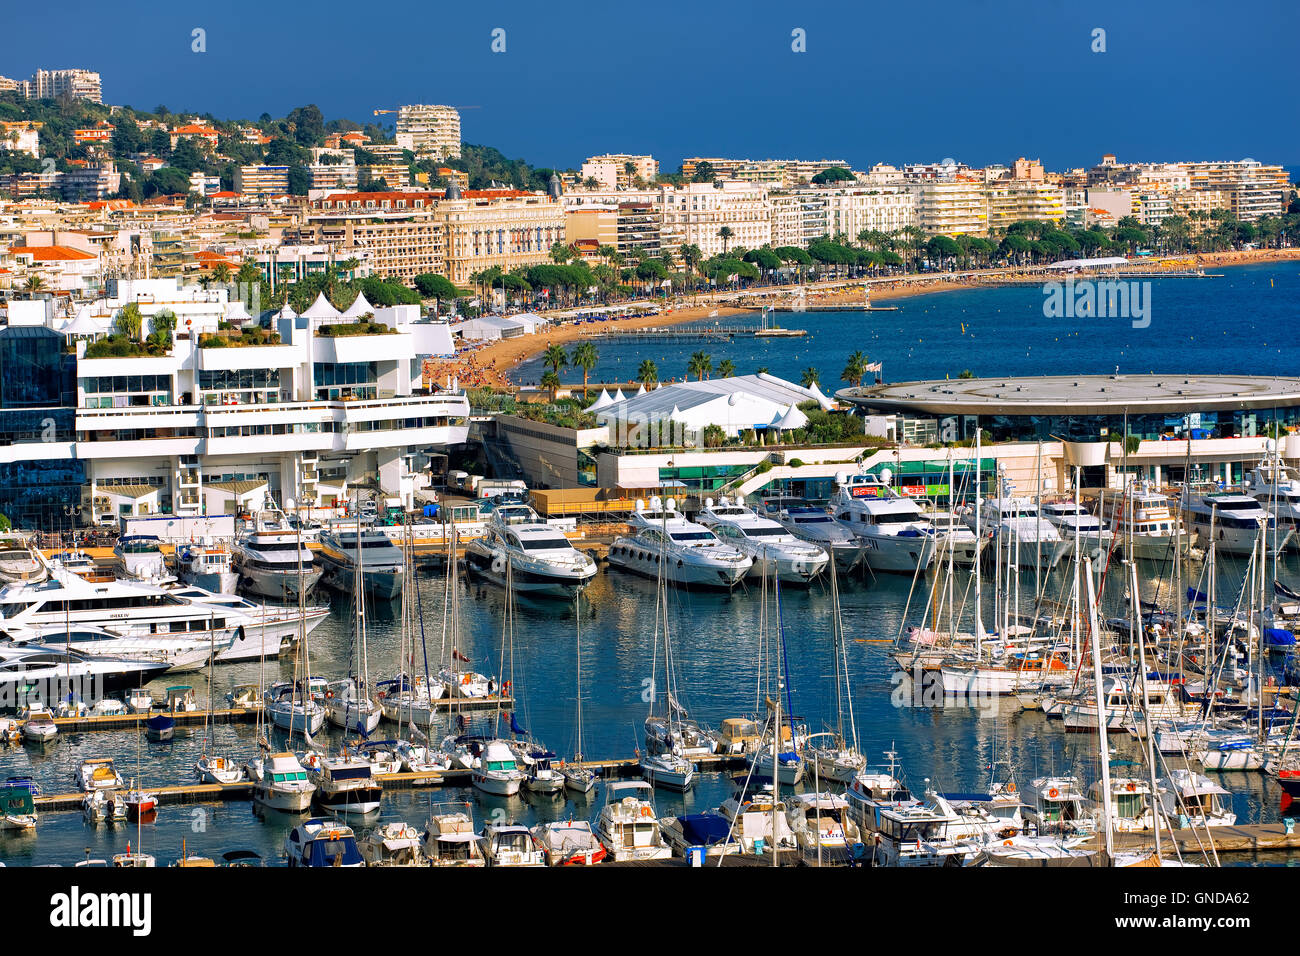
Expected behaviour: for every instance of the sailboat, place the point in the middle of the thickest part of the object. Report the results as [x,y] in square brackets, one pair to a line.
[498,772]
[772,762]
[294,709]
[578,778]
[664,764]
[211,767]
[346,705]
[840,760]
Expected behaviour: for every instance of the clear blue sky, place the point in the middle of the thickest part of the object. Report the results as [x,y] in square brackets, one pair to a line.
[981,81]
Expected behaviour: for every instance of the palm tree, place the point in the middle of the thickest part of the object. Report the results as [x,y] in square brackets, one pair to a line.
[34,284]
[855,368]
[725,235]
[559,253]
[810,377]
[701,363]
[552,381]
[648,373]
[555,358]
[584,356]
[221,274]
[726,368]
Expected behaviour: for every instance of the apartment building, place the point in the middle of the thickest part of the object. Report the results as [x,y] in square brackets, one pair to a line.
[394,175]
[1012,200]
[90,183]
[397,231]
[951,207]
[620,170]
[695,214]
[53,84]
[852,210]
[507,228]
[21,137]
[333,176]
[787,218]
[262,180]
[429,130]
[1252,188]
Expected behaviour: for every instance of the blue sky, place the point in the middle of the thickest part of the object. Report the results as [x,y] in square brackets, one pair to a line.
[981,81]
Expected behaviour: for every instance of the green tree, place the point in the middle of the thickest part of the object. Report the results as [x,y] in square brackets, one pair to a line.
[726,368]
[700,364]
[129,321]
[584,356]
[855,368]
[648,373]
[725,235]
[835,174]
[810,377]
[552,381]
[555,358]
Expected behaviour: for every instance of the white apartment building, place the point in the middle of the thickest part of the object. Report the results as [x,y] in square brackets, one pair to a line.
[695,214]
[611,169]
[787,219]
[951,207]
[429,130]
[52,84]
[21,137]
[854,209]
[1013,200]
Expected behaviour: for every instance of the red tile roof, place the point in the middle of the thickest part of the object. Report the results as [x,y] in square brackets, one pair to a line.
[53,253]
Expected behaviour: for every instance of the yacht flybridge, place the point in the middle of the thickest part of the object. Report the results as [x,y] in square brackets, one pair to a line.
[896,534]
[1141,518]
[273,560]
[689,553]
[541,560]
[773,549]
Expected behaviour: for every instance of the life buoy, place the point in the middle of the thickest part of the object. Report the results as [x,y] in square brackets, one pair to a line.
[646,811]
[464,679]
[1008,843]
[1053,792]
[498,564]
[1132,787]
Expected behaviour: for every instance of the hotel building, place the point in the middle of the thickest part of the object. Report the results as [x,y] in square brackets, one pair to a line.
[951,207]
[508,228]
[611,170]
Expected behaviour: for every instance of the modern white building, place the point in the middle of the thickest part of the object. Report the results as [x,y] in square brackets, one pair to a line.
[305,412]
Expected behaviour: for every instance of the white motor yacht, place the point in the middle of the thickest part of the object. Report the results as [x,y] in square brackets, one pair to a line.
[1233,521]
[628,826]
[383,566]
[1072,521]
[1140,517]
[20,561]
[569,843]
[498,771]
[539,557]
[509,844]
[273,559]
[449,838]
[392,844]
[322,843]
[816,526]
[140,558]
[345,785]
[772,547]
[1277,488]
[1036,541]
[211,567]
[1191,799]
[896,534]
[688,552]
[281,783]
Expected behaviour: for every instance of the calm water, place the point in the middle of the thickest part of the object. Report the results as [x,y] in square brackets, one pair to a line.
[1239,323]
[715,638]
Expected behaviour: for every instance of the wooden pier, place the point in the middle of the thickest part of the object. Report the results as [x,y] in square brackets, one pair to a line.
[245,715]
[217,792]
[717,333]
[1246,838]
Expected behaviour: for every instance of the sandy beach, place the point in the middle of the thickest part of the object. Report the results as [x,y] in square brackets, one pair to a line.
[489,363]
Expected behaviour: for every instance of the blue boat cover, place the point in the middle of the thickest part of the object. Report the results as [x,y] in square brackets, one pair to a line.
[514,725]
[1278,635]
[704,829]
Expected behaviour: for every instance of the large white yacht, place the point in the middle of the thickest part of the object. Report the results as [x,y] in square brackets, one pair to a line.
[810,523]
[541,559]
[690,553]
[383,566]
[628,825]
[1276,487]
[1036,540]
[49,675]
[235,628]
[1231,520]
[1072,521]
[140,557]
[774,550]
[178,652]
[273,559]
[1142,520]
[896,534]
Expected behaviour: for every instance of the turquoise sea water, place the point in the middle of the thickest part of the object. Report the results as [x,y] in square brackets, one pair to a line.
[1237,324]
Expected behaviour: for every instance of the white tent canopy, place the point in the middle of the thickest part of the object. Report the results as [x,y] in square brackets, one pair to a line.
[792,419]
[602,402]
[359,307]
[320,309]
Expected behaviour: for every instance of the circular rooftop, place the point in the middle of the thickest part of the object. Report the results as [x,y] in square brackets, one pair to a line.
[1079,394]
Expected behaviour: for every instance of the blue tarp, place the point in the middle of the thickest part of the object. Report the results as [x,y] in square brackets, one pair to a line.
[1279,636]
[704,829]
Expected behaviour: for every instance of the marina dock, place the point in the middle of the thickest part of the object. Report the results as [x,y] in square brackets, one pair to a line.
[721,333]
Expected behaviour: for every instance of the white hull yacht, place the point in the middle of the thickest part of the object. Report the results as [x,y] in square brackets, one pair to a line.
[773,549]
[690,553]
[894,532]
[539,558]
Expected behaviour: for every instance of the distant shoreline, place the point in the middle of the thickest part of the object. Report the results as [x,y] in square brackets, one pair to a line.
[491,363]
